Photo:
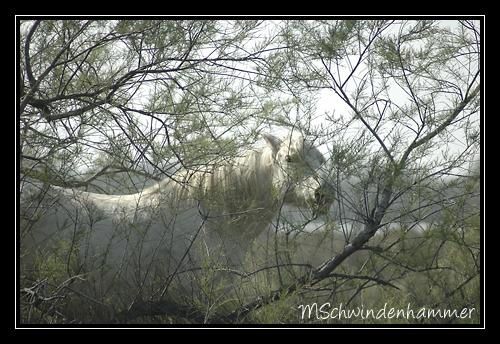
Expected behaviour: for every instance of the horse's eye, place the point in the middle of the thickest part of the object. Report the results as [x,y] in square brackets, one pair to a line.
[288,158]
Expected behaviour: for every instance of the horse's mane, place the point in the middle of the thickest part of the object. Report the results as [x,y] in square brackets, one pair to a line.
[248,176]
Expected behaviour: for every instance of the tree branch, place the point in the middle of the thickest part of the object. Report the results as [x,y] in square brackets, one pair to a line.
[76,112]
[454,113]
[53,65]
[341,93]
[27,61]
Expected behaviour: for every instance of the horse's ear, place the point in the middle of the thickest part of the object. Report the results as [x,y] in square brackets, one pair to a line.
[273,142]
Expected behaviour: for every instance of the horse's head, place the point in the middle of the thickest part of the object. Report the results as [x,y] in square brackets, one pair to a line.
[299,174]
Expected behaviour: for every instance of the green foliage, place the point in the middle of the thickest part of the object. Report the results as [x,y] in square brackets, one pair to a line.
[58,264]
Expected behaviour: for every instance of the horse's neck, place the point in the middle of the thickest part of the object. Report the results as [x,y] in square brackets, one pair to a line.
[245,183]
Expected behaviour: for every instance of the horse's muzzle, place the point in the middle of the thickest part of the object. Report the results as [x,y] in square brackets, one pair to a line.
[323,198]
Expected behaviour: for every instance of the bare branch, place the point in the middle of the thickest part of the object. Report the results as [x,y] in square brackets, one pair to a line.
[27,44]
[453,114]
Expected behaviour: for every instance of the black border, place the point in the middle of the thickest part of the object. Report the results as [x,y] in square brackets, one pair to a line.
[384,327]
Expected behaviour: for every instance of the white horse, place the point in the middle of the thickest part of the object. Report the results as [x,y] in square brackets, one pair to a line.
[164,229]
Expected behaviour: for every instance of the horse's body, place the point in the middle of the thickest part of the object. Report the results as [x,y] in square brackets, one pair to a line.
[165,228]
